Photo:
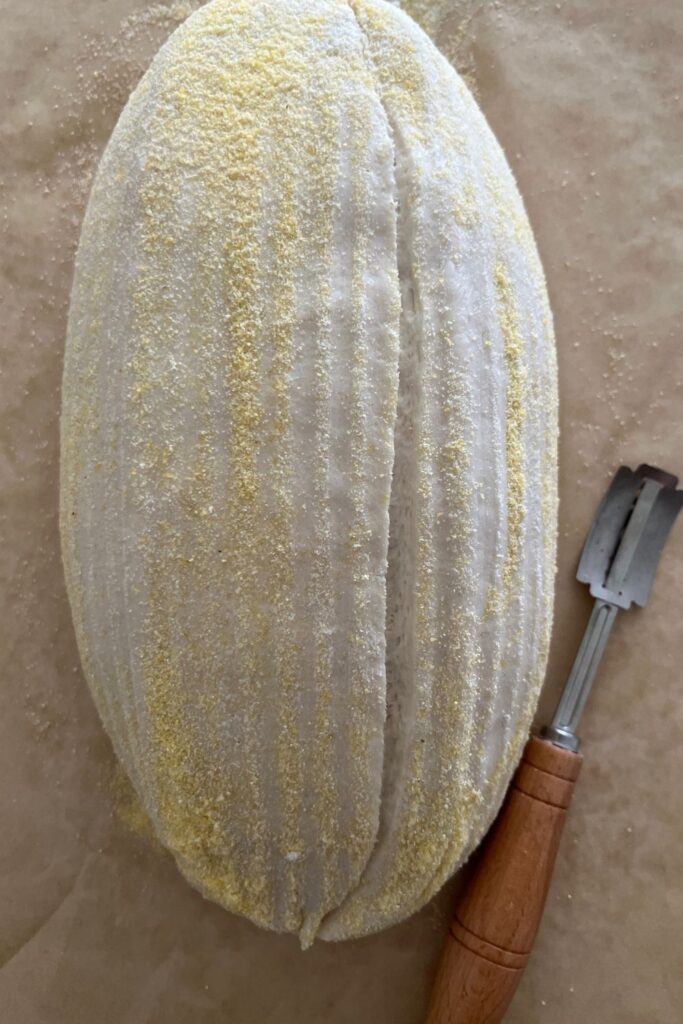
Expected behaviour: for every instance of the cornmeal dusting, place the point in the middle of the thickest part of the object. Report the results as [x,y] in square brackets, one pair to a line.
[309,432]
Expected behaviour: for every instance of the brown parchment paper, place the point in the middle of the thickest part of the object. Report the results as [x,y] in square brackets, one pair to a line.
[96,924]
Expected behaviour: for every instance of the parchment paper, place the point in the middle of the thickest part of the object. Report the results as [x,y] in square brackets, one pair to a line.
[96,924]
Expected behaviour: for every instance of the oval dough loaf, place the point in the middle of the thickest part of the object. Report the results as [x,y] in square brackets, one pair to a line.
[308,491]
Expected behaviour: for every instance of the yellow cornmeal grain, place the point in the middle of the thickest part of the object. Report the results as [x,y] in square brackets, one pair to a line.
[516,413]
[466,206]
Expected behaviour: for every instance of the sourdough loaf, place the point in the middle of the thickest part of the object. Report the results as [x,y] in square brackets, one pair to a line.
[308,479]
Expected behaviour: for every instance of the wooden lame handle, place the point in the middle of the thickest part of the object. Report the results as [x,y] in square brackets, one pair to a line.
[497,917]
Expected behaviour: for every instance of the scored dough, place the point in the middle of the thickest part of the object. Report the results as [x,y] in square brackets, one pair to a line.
[309,438]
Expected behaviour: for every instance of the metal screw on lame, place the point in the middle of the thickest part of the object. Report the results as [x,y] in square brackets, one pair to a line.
[619,561]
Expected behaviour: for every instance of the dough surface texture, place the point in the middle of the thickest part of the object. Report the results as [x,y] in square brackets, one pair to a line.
[308,477]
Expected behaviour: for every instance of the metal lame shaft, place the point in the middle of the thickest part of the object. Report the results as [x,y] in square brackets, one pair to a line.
[562,730]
